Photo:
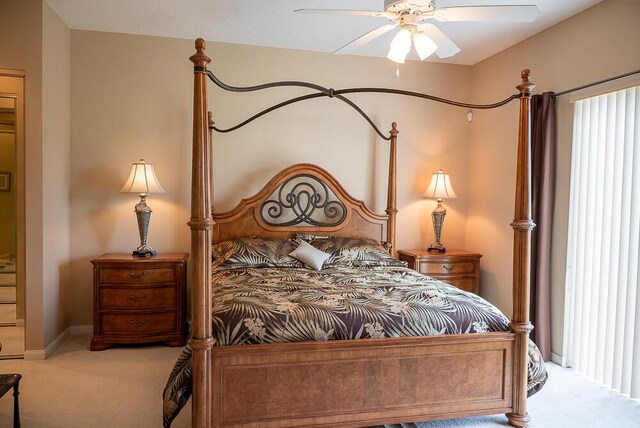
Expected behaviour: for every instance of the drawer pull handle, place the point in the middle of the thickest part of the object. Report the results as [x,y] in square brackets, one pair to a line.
[134,276]
[138,323]
[135,298]
[448,268]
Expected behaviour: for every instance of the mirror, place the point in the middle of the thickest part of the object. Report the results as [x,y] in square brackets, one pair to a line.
[12,307]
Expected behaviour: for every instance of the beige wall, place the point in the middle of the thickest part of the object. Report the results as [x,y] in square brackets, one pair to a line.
[131,98]
[598,43]
[55,170]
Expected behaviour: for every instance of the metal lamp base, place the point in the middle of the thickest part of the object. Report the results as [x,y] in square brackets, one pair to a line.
[144,252]
[437,247]
[143,215]
[437,216]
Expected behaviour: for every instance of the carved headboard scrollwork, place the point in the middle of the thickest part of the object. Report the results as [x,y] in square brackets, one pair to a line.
[300,198]
[303,200]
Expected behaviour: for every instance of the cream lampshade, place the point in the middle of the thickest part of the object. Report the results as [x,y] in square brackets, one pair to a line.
[439,188]
[142,180]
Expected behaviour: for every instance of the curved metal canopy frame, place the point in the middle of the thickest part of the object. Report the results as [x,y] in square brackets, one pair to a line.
[321,91]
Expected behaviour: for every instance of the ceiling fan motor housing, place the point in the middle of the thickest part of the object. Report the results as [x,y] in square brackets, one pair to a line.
[409,21]
[407,6]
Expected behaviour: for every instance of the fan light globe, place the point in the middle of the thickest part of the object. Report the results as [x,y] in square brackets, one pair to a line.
[400,46]
[424,45]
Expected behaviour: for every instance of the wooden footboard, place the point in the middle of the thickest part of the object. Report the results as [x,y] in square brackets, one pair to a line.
[362,382]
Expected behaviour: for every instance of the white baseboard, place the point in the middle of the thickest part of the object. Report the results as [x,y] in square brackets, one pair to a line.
[34,354]
[42,354]
[557,359]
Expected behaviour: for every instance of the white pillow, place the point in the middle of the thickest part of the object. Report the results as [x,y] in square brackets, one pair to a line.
[310,255]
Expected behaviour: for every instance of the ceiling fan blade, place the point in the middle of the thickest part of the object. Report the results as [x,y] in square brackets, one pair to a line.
[345,12]
[514,13]
[364,39]
[446,47]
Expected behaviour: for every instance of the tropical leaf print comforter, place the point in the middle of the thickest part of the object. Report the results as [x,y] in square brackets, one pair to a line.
[271,305]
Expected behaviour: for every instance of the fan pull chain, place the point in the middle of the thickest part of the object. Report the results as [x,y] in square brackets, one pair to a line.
[397,70]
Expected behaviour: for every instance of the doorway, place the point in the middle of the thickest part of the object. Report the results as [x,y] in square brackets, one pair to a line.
[12,285]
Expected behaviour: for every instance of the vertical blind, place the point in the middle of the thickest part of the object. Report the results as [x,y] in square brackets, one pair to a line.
[602,300]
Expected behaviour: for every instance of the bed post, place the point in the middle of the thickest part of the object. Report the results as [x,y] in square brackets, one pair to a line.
[392,208]
[201,224]
[522,226]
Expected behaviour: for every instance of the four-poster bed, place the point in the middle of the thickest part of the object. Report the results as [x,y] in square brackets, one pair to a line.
[345,382]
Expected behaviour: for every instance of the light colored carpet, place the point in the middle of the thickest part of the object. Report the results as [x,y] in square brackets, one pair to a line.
[119,387]
[122,387]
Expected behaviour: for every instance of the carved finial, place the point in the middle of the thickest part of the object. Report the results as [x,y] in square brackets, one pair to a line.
[199,59]
[394,129]
[200,45]
[211,122]
[526,87]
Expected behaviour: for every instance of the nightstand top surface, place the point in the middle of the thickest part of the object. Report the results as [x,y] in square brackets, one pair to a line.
[160,257]
[422,253]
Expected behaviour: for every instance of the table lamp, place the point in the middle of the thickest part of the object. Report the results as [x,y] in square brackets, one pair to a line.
[440,188]
[142,180]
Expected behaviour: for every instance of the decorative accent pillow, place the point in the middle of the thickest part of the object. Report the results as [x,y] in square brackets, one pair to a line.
[255,252]
[359,252]
[309,255]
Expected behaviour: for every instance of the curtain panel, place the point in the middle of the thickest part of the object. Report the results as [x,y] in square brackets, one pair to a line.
[543,174]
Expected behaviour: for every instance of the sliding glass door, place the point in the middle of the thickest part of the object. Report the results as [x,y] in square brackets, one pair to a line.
[602,306]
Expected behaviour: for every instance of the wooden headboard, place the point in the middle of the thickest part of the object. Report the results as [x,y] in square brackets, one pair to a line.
[300,198]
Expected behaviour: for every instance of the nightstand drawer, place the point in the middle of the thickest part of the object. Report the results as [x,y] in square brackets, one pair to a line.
[467,283]
[137,275]
[138,298]
[158,322]
[459,268]
[438,267]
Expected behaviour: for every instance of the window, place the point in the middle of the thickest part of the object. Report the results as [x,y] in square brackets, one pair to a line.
[602,303]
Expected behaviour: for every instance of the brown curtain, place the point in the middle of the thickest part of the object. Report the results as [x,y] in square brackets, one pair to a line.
[543,168]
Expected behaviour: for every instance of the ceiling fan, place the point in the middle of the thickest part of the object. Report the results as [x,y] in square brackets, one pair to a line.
[412,17]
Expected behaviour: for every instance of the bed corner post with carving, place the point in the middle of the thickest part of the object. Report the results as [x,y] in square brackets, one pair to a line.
[392,208]
[201,224]
[522,226]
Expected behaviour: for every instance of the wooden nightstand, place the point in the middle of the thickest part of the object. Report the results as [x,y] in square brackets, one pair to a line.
[456,267]
[139,299]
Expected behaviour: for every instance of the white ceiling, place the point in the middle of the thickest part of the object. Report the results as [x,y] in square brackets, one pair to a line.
[274,24]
